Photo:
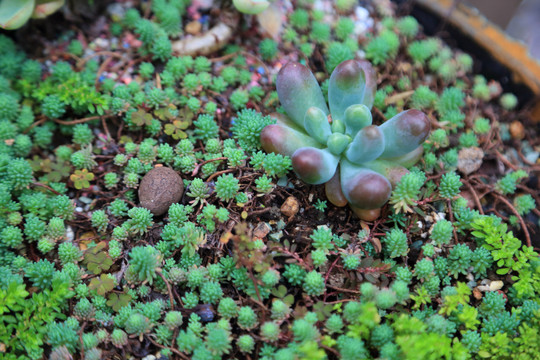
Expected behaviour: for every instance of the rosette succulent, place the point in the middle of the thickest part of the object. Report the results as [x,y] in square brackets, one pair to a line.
[338,146]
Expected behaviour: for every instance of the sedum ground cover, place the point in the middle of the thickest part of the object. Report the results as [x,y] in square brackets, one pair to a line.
[252,263]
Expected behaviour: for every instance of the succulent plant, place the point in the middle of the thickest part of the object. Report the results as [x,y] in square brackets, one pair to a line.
[339,146]
[15,13]
[251,7]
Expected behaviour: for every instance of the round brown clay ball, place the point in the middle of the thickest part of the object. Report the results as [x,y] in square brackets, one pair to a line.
[159,189]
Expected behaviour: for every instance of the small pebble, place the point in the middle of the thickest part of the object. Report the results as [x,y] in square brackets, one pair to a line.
[261,230]
[470,159]
[517,130]
[193,27]
[102,43]
[159,189]
[70,235]
[85,199]
[290,207]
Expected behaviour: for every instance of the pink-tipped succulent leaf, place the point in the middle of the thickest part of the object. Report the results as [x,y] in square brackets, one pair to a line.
[282,139]
[367,145]
[298,90]
[352,82]
[332,189]
[314,166]
[364,188]
[405,132]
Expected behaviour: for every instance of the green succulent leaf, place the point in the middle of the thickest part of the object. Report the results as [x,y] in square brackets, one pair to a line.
[352,82]
[45,8]
[367,145]
[15,13]
[409,159]
[282,139]
[404,132]
[389,169]
[298,90]
[317,125]
[251,7]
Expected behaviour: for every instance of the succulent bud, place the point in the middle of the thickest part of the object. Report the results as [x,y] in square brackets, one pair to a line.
[356,118]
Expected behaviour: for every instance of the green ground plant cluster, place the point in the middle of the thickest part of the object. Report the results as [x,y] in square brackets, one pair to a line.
[85,271]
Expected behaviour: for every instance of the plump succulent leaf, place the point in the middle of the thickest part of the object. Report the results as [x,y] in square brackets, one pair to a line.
[317,125]
[251,7]
[314,166]
[333,191]
[356,118]
[364,188]
[409,159]
[366,214]
[46,8]
[404,133]
[352,82]
[367,145]
[15,13]
[298,90]
[281,139]
[389,169]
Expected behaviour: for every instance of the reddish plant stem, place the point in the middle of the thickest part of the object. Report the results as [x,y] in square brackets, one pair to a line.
[449,202]
[328,274]
[46,187]
[168,287]
[83,120]
[523,225]
[198,167]
[81,331]
[505,161]
[475,196]
[216,174]
[170,348]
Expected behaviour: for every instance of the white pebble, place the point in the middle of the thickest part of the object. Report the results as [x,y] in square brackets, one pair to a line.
[70,235]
